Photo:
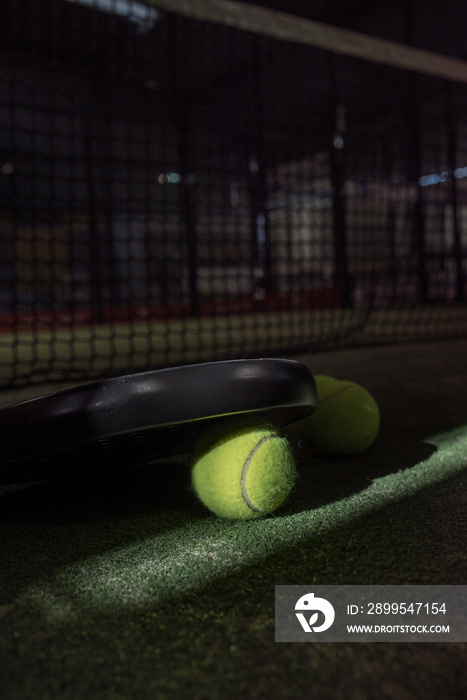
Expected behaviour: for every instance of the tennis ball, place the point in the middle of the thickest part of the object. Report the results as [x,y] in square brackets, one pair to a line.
[244,471]
[346,420]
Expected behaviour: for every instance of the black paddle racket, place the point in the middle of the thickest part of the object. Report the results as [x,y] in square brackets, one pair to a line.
[145,417]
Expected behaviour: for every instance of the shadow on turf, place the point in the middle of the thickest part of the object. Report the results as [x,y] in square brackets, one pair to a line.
[52,523]
[194,630]
[162,487]
[324,479]
[140,491]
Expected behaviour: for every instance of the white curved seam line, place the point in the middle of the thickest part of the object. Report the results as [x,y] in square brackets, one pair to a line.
[245,470]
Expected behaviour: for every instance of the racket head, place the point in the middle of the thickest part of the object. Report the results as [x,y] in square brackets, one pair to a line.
[145,417]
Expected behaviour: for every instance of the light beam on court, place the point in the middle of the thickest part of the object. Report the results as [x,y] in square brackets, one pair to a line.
[159,568]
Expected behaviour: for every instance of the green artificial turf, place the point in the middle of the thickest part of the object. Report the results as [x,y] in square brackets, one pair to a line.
[131,589]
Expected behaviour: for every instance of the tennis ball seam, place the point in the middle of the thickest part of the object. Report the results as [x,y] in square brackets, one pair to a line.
[337,393]
[246,466]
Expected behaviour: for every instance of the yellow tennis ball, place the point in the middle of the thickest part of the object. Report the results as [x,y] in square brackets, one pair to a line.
[246,471]
[346,420]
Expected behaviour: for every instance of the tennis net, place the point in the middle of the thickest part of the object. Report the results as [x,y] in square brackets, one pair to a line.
[190,180]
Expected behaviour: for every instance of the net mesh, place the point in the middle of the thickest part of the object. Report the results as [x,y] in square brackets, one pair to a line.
[175,190]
